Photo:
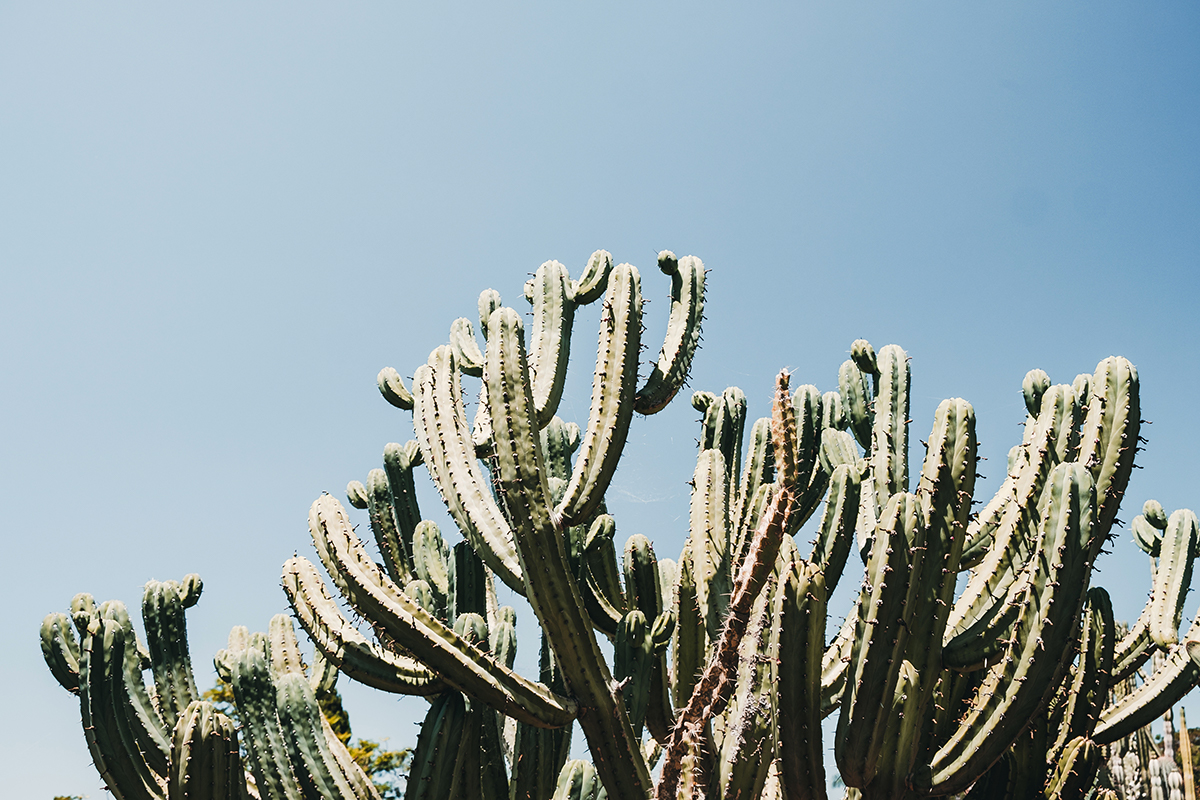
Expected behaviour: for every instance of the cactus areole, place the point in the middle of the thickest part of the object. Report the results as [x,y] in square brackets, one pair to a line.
[721,670]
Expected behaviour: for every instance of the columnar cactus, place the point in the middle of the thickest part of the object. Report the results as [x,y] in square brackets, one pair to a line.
[721,672]
[162,741]
[721,669]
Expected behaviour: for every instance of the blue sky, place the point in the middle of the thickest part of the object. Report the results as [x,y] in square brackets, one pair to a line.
[217,224]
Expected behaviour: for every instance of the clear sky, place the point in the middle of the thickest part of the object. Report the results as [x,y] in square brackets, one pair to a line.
[218,223]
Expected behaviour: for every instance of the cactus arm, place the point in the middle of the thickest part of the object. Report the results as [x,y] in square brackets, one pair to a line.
[1015,690]
[338,641]
[835,664]
[880,635]
[1146,536]
[578,780]
[391,386]
[592,283]
[613,387]
[1012,522]
[1177,676]
[142,714]
[466,348]
[709,541]
[204,756]
[800,609]
[60,649]
[552,590]
[633,660]
[1134,648]
[716,422]
[445,440]
[312,761]
[888,456]
[856,400]
[103,700]
[1170,585]
[432,770]
[760,469]
[645,593]
[470,583]
[356,494]
[550,337]
[431,563]
[460,664]
[283,647]
[1076,771]
[1108,441]
[166,636]
[979,645]
[601,585]
[812,479]
[683,333]
[398,463]
[724,427]
[1180,544]
[836,534]
[254,693]
[946,486]
[687,650]
[363,788]
[559,441]
[838,447]
[383,525]
[323,673]
[1087,691]
[833,412]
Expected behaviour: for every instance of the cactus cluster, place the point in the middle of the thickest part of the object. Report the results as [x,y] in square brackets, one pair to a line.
[721,670]
[161,740]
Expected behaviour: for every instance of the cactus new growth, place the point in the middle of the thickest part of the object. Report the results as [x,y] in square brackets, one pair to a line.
[721,671]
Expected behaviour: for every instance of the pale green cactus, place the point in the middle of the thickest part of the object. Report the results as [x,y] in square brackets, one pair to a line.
[162,741]
[721,671]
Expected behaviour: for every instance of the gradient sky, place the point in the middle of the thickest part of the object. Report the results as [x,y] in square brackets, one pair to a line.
[217,224]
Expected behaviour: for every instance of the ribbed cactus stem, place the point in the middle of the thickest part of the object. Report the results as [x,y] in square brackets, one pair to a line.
[445,440]
[552,590]
[683,333]
[613,387]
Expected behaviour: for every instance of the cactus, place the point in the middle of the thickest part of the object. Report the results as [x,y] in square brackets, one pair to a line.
[162,741]
[1019,686]
[721,672]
